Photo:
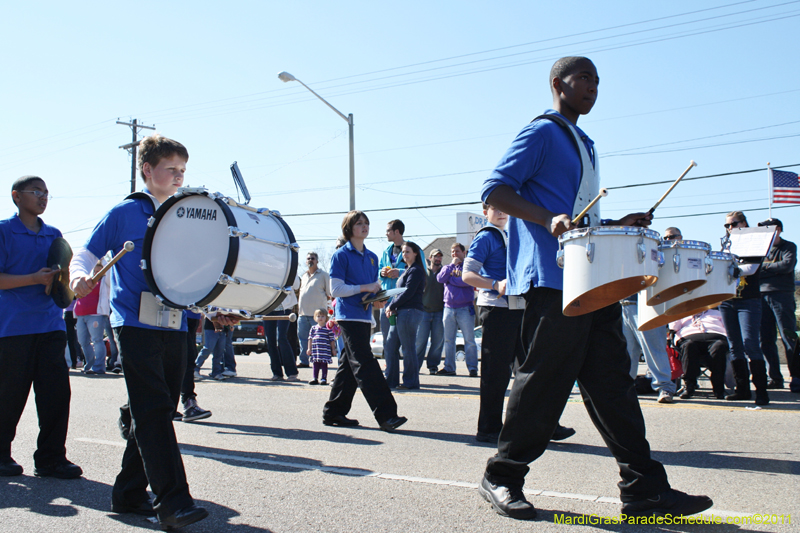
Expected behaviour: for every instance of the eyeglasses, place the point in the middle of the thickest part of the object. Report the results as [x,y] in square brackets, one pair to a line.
[733,224]
[672,237]
[39,194]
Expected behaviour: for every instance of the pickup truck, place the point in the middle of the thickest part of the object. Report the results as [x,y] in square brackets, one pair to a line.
[248,337]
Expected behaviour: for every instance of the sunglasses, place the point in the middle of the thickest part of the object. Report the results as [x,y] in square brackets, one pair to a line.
[732,224]
[39,194]
[672,237]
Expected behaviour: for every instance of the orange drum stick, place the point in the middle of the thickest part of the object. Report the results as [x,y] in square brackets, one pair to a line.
[125,249]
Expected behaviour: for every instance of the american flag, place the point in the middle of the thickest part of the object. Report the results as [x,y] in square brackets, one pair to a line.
[785,187]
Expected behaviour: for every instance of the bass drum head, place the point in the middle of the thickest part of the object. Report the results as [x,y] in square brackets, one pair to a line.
[187,249]
[291,271]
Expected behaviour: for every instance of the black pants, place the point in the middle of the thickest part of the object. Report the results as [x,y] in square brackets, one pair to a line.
[706,349]
[359,370]
[75,350]
[187,386]
[590,348]
[281,355]
[500,348]
[153,362]
[36,359]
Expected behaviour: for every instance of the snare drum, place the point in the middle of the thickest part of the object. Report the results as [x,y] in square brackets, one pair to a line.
[721,286]
[204,249]
[603,265]
[684,269]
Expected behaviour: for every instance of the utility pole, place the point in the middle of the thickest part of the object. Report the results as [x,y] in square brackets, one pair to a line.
[131,147]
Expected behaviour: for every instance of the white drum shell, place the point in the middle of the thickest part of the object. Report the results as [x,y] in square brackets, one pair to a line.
[625,261]
[690,258]
[651,316]
[191,249]
[720,286]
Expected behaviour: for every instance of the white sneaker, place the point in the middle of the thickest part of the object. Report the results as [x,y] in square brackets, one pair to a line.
[197,375]
[665,397]
[229,373]
[292,378]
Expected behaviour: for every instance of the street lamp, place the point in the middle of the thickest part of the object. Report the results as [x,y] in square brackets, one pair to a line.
[285,77]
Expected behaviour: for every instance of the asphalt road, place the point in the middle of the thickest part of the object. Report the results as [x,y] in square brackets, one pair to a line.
[265,462]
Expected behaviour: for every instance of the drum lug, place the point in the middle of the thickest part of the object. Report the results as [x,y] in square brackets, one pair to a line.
[640,249]
[676,262]
[560,258]
[236,232]
[590,251]
[267,212]
[151,221]
[661,259]
[709,265]
[143,264]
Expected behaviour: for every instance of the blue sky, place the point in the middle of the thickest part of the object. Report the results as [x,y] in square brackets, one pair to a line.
[437,90]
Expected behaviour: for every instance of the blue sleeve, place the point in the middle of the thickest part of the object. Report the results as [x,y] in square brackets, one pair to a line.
[338,266]
[522,160]
[105,234]
[3,248]
[482,246]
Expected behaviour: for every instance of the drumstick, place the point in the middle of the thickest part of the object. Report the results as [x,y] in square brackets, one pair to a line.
[691,164]
[125,249]
[603,192]
[290,318]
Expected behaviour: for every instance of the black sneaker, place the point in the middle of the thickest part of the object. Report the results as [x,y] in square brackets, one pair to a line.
[671,502]
[9,467]
[562,433]
[61,470]
[444,372]
[507,501]
[491,438]
[193,412]
[178,416]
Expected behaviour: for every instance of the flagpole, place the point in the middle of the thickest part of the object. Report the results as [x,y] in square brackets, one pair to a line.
[769,179]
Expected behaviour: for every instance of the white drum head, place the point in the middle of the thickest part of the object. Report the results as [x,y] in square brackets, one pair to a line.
[189,249]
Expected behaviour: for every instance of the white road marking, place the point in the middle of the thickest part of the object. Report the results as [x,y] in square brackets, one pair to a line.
[360,472]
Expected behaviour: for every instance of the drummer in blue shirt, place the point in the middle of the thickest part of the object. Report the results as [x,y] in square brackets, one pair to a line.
[32,335]
[354,275]
[153,356]
[544,180]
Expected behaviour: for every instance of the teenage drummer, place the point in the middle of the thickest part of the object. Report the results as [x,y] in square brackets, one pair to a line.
[354,275]
[153,356]
[32,335]
[544,179]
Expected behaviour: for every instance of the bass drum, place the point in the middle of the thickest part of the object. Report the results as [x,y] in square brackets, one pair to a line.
[202,250]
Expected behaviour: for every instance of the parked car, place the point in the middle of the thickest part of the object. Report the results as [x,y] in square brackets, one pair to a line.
[460,353]
[248,337]
[377,345]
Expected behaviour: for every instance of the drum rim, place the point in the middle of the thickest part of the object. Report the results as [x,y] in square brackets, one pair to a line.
[609,230]
[291,274]
[230,261]
[724,256]
[690,245]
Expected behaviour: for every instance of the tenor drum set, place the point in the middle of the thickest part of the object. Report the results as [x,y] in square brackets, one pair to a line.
[673,279]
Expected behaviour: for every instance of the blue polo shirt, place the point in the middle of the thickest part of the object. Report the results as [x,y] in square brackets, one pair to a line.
[354,268]
[544,167]
[126,221]
[26,310]
[488,248]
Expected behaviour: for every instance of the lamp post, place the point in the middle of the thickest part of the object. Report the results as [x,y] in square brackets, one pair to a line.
[286,77]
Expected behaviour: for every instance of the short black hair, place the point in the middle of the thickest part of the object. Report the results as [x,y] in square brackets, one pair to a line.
[566,66]
[20,184]
[397,225]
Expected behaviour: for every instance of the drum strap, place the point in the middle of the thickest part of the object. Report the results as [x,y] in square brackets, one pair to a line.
[590,176]
[140,195]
